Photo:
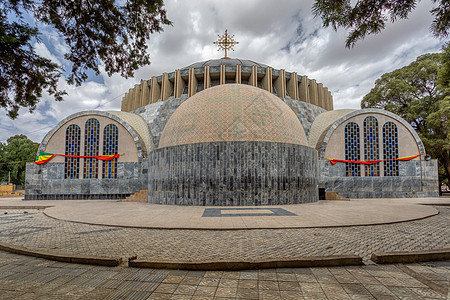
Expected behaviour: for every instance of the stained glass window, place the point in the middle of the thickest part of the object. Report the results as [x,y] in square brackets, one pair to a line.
[390,149]
[371,146]
[71,164]
[110,146]
[352,149]
[91,141]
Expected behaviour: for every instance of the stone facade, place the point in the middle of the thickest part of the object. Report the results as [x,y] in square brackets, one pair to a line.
[417,178]
[46,182]
[306,112]
[157,114]
[233,173]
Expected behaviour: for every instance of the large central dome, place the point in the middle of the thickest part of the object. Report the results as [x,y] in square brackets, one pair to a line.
[233,112]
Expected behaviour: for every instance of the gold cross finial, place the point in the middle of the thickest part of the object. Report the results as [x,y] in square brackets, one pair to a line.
[226,42]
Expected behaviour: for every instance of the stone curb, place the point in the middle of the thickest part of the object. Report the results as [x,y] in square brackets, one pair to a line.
[68,258]
[25,207]
[435,204]
[410,257]
[313,261]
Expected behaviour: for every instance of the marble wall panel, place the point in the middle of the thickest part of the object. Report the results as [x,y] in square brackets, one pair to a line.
[233,173]
[47,182]
[418,178]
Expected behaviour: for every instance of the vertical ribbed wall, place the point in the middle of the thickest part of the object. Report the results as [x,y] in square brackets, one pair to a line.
[275,81]
[233,174]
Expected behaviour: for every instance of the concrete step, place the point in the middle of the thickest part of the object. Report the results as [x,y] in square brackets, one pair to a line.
[140,196]
[335,196]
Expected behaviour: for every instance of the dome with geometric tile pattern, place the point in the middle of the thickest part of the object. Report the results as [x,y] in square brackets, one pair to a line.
[233,112]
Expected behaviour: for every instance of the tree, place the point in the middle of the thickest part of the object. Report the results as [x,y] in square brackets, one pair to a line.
[13,157]
[367,17]
[114,32]
[414,94]
[3,167]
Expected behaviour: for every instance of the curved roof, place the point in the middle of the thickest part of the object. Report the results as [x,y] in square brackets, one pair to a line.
[326,134]
[134,124]
[139,125]
[323,122]
[226,62]
[233,112]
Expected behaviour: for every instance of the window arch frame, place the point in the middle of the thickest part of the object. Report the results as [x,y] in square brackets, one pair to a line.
[390,149]
[371,145]
[110,146]
[352,141]
[91,140]
[72,147]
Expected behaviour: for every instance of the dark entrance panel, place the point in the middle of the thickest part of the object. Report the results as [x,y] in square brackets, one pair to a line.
[322,194]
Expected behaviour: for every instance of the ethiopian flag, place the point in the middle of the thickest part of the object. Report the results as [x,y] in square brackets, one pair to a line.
[43,158]
[370,162]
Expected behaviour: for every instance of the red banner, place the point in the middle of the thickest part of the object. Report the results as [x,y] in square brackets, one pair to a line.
[371,162]
[43,158]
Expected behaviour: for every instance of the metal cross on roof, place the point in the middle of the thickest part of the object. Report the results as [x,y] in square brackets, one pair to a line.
[226,42]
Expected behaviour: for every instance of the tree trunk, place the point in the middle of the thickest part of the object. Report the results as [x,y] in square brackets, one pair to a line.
[446,163]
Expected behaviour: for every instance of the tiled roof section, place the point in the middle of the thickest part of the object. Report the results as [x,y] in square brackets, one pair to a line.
[139,125]
[324,121]
[233,112]
[226,62]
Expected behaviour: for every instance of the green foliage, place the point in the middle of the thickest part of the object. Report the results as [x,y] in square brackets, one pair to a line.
[112,32]
[444,72]
[409,92]
[13,156]
[3,167]
[366,17]
[413,93]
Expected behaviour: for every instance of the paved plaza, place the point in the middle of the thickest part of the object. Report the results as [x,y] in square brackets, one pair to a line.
[35,230]
[27,225]
[319,214]
[24,277]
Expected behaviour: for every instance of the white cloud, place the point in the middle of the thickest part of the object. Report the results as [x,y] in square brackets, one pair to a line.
[282,34]
[42,50]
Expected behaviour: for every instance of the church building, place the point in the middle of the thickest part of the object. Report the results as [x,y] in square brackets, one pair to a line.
[231,132]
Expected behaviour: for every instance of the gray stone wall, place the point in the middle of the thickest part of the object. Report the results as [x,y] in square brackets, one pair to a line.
[157,114]
[233,173]
[46,182]
[306,112]
[418,178]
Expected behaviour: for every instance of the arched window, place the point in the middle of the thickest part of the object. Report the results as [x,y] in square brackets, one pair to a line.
[91,141]
[71,164]
[110,146]
[352,149]
[390,149]
[371,146]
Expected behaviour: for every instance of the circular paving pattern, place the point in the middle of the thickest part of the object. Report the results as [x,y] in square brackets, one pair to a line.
[34,230]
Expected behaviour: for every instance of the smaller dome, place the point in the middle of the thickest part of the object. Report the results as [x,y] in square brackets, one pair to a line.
[233,112]
[323,122]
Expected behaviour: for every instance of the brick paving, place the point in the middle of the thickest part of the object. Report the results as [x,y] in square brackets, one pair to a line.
[34,230]
[23,277]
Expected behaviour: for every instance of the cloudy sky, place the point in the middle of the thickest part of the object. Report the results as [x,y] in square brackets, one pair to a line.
[283,34]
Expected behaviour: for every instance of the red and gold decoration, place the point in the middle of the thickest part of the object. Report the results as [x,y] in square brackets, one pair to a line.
[370,162]
[43,157]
